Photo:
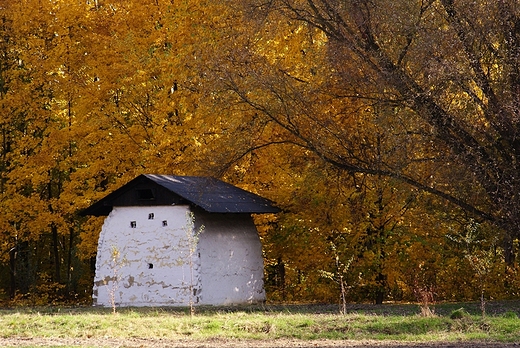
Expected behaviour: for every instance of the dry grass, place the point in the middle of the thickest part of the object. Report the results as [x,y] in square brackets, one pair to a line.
[386,323]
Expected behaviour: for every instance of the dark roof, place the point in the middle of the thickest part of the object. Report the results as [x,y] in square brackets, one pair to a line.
[210,194]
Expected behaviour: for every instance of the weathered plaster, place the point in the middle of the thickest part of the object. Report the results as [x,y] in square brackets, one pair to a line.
[152,266]
[232,267]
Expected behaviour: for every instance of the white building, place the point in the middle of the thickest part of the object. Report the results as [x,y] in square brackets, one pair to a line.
[174,240]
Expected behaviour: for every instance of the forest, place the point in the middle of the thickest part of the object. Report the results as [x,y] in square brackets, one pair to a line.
[388,132]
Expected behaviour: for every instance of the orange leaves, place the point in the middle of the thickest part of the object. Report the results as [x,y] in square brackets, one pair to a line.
[341,121]
[26,218]
[94,94]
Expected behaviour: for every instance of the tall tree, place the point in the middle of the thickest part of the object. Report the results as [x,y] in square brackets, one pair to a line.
[92,93]
[440,77]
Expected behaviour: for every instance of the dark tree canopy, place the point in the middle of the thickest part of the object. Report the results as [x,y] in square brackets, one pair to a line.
[425,92]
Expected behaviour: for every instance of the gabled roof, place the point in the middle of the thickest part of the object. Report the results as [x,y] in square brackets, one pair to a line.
[210,194]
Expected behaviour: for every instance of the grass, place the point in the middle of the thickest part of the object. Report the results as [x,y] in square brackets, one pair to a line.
[311,322]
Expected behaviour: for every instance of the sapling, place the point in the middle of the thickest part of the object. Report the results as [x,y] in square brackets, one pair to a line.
[425,297]
[116,263]
[192,236]
[338,276]
[480,257]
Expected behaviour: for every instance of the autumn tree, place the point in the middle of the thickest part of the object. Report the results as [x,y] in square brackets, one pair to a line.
[93,93]
[378,127]
[439,76]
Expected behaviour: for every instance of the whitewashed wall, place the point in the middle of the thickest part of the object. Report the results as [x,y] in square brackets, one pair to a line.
[231,262]
[152,266]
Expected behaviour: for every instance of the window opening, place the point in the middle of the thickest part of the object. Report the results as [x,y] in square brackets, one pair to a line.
[150,266]
[145,194]
[151,216]
[165,223]
[133,224]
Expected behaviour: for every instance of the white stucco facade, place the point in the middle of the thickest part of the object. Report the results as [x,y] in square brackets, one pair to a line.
[231,260]
[144,253]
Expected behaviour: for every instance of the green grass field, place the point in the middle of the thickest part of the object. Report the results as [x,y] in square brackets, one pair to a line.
[382,323]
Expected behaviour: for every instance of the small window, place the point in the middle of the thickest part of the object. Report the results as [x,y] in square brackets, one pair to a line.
[165,223]
[151,216]
[145,195]
[150,266]
[133,224]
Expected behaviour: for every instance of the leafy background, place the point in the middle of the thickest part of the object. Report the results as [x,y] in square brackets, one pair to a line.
[388,132]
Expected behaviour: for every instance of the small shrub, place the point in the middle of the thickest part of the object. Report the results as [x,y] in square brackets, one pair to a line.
[459,314]
[510,315]
[462,321]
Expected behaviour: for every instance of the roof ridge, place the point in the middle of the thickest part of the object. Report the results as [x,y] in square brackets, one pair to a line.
[209,193]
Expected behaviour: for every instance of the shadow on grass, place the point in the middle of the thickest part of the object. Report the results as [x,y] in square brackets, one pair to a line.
[388,309]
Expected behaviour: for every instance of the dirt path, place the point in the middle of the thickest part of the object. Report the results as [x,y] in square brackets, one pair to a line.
[158,343]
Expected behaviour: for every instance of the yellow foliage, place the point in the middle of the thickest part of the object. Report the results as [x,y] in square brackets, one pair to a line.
[333,124]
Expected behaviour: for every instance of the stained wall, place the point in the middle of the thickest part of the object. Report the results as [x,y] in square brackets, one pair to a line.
[144,259]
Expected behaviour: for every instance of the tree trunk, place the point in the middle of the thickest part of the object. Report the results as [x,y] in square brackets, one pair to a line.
[56,254]
[281,277]
[380,290]
[12,272]
[69,261]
